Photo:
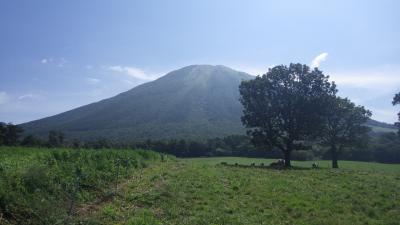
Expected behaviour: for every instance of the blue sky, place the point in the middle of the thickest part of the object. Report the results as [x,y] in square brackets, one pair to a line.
[58,55]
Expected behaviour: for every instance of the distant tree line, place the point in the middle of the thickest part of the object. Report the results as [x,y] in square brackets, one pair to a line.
[12,135]
[291,112]
[383,148]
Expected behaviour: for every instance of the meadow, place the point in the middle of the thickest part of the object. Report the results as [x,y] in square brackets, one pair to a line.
[202,191]
[322,164]
[44,186]
[38,184]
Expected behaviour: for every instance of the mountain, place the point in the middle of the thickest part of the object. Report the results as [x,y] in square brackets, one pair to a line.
[194,102]
[380,127]
[198,101]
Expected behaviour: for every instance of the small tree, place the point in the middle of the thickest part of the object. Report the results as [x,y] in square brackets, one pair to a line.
[10,134]
[3,130]
[56,139]
[31,141]
[396,100]
[285,107]
[345,126]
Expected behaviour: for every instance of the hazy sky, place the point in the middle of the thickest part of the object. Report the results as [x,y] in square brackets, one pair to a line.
[57,55]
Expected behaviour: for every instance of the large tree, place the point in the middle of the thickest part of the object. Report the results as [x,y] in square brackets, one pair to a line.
[396,100]
[285,107]
[345,126]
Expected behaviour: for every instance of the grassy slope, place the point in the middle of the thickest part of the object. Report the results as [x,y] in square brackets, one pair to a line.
[198,191]
[38,185]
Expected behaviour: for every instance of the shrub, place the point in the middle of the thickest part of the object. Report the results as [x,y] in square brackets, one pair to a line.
[35,177]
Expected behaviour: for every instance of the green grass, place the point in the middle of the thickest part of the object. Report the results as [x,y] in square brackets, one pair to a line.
[201,191]
[344,165]
[38,186]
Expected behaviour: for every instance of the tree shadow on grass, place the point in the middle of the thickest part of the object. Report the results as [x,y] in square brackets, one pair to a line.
[268,167]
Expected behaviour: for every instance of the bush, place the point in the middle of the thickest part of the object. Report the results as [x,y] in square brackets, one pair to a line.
[35,177]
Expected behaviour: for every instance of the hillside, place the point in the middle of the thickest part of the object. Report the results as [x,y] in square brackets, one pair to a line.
[194,102]
[198,101]
[380,127]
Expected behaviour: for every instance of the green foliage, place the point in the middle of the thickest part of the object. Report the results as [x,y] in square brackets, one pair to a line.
[43,186]
[56,139]
[10,134]
[285,107]
[31,141]
[396,100]
[110,211]
[200,191]
[144,217]
[385,148]
[345,126]
[35,178]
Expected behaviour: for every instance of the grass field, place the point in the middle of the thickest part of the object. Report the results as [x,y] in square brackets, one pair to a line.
[324,164]
[200,191]
[36,187]
[44,186]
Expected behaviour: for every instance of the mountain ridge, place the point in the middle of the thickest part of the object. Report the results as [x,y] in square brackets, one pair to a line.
[193,102]
[197,101]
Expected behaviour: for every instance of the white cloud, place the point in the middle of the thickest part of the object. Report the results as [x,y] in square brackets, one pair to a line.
[58,62]
[317,60]
[89,67]
[62,62]
[46,60]
[30,96]
[373,87]
[379,78]
[3,97]
[133,72]
[91,80]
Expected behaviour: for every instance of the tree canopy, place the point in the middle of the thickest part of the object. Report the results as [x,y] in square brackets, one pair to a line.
[9,134]
[344,126]
[285,107]
[396,100]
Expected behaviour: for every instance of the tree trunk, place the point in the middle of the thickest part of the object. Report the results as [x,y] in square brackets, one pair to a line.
[334,157]
[287,158]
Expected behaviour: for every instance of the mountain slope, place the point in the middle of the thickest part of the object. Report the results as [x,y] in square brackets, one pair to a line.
[199,101]
[195,102]
[380,127]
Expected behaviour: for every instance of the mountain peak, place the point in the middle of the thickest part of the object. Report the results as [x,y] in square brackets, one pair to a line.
[194,102]
[205,72]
